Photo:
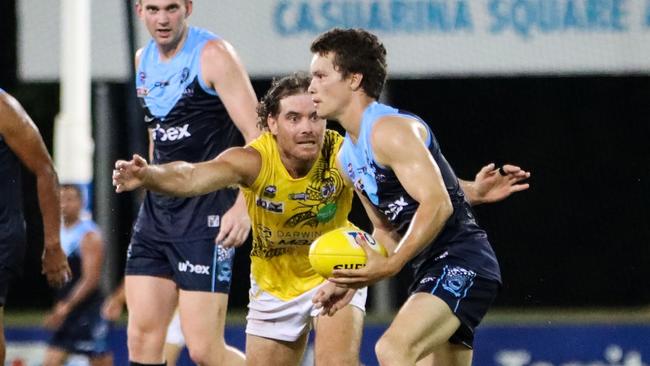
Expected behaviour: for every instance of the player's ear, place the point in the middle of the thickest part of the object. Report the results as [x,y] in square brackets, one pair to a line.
[138,8]
[188,7]
[355,80]
[273,124]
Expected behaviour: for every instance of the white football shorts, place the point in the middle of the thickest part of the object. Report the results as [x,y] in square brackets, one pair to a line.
[271,317]
[174,332]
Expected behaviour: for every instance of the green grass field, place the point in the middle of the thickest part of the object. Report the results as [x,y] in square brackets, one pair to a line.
[534,316]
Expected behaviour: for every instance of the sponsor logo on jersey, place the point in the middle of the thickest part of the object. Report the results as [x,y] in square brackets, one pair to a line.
[213,220]
[298,196]
[270,191]
[350,170]
[193,268]
[395,208]
[328,190]
[184,75]
[276,207]
[142,92]
[171,133]
[358,185]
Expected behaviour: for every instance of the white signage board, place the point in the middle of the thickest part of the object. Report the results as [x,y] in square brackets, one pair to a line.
[423,37]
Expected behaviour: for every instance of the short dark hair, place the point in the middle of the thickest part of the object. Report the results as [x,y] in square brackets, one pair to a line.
[296,83]
[139,2]
[355,51]
[74,187]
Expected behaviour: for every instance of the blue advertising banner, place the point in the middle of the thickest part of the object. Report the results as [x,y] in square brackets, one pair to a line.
[502,345]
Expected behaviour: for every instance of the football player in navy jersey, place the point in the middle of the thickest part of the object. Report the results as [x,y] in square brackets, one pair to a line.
[198,101]
[75,318]
[415,202]
[20,142]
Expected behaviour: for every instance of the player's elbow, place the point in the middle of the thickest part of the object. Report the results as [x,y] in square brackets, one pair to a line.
[383,226]
[445,209]
[45,172]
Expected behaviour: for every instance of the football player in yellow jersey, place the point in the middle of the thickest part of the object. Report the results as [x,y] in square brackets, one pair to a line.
[294,193]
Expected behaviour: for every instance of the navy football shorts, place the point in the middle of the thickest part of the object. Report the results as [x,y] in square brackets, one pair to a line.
[195,265]
[84,331]
[11,263]
[467,295]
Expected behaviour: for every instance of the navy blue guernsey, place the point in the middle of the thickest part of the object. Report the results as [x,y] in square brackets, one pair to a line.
[12,223]
[461,239]
[188,121]
[71,238]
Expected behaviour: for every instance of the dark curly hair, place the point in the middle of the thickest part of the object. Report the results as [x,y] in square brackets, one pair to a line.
[269,105]
[355,51]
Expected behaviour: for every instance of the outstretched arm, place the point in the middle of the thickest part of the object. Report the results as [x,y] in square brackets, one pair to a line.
[23,138]
[493,184]
[238,165]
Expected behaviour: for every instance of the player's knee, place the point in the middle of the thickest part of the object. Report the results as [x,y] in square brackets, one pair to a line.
[392,351]
[143,340]
[202,353]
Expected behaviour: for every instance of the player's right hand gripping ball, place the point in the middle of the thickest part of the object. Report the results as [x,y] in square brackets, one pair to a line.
[338,249]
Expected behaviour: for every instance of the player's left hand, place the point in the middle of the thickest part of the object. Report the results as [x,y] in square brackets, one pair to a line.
[129,175]
[331,298]
[377,268]
[494,184]
[55,266]
[112,308]
[54,319]
[235,226]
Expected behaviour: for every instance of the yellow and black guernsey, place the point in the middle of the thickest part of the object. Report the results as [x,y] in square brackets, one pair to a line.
[289,213]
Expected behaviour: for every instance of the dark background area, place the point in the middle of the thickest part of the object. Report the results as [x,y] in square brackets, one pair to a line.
[579,237]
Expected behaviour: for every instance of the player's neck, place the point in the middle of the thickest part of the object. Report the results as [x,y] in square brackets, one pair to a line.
[70,221]
[167,52]
[295,167]
[351,116]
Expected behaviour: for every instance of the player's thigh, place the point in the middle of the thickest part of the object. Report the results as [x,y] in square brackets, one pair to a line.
[424,323]
[261,351]
[203,315]
[151,302]
[338,337]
